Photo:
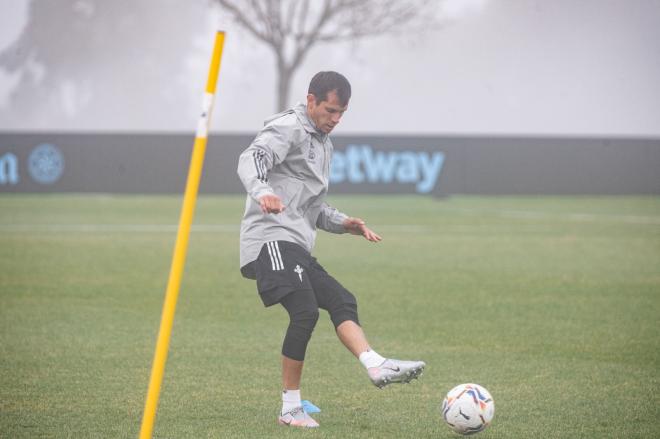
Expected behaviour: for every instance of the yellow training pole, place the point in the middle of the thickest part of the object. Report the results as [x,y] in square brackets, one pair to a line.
[181,246]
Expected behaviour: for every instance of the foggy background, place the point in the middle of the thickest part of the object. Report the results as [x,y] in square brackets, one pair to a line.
[488,67]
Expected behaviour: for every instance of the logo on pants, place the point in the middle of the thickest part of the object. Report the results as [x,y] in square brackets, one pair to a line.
[299,270]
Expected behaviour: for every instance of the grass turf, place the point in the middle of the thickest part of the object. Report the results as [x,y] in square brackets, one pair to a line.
[553,304]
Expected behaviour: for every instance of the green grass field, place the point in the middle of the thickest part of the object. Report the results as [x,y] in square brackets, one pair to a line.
[553,304]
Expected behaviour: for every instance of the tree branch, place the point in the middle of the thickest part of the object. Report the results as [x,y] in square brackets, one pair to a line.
[245,21]
[292,27]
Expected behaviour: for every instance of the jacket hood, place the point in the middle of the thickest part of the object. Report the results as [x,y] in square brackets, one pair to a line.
[300,110]
[269,119]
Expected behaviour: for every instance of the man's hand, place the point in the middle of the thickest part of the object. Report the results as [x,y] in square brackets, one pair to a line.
[271,203]
[356,226]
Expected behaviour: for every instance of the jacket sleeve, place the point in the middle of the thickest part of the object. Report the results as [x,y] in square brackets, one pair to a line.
[331,220]
[268,149]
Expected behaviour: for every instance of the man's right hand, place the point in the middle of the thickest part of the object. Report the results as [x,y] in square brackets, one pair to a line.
[271,203]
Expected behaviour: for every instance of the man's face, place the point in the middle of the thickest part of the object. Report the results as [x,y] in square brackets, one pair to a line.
[325,114]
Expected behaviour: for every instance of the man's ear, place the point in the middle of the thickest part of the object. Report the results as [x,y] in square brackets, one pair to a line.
[311,100]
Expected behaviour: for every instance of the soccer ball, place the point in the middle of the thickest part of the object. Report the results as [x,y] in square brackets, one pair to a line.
[468,408]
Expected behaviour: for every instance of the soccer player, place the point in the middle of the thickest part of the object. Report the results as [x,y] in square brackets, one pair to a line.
[285,172]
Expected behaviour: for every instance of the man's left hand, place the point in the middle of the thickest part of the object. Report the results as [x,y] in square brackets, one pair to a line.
[356,226]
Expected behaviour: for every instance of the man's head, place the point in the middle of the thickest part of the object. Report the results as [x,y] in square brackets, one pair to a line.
[327,99]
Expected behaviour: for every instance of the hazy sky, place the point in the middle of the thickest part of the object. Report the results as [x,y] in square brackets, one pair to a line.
[562,67]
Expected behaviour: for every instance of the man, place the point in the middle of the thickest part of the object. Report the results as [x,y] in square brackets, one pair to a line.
[285,172]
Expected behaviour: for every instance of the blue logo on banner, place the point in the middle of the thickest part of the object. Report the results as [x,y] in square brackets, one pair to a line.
[46,163]
[361,164]
[8,169]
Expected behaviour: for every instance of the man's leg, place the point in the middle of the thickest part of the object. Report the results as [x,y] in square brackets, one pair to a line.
[280,271]
[352,336]
[291,373]
[303,314]
[342,306]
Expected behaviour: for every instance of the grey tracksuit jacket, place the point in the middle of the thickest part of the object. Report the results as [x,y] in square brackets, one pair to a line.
[291,159]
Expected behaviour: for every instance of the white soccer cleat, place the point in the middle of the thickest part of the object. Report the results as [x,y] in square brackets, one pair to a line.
[297,417]
[395,371]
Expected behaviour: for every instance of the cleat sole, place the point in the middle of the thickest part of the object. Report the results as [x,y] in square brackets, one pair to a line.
[405,377]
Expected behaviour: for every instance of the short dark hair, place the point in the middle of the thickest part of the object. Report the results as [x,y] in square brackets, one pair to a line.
[324,82]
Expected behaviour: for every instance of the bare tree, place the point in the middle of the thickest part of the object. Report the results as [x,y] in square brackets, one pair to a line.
[291,27]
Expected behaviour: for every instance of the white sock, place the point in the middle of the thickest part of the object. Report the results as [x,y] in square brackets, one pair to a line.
[371,359]
[290,400]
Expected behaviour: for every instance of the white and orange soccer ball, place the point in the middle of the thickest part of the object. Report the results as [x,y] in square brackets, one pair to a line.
[468,408]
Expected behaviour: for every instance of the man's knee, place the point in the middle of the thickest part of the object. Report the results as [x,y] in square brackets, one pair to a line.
[346,310]
[299,332]
[305,318]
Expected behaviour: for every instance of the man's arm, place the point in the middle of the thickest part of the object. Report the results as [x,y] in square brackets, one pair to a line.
[331,220]
[268,149]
